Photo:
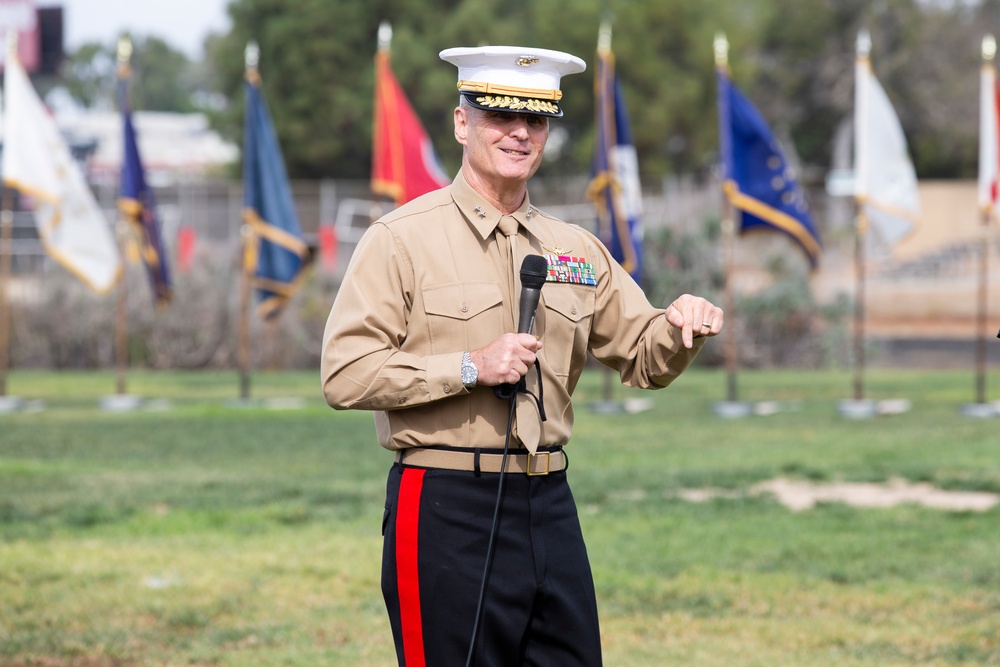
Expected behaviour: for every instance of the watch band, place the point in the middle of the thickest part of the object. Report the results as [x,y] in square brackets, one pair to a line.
[470,374]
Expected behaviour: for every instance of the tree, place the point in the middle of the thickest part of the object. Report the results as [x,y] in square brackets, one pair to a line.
[89,75]
[163,78]
[316,66]
[316,63]
[926,56]
[794,58]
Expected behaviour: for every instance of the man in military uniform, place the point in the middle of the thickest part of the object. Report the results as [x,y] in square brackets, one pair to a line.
[481,566]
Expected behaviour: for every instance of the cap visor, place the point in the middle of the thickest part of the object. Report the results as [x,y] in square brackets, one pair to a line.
[514,104]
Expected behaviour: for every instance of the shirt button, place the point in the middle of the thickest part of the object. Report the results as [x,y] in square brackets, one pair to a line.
[465,308]
[401,400]
[447,388]
[573,310]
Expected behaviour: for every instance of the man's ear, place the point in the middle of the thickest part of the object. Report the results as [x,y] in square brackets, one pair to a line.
[461,125]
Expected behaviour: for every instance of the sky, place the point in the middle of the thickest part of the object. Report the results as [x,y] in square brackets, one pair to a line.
[181,23]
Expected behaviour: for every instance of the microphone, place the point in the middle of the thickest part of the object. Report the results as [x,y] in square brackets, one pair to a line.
[534,268]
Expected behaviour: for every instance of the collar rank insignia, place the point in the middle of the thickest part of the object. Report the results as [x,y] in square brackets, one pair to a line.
[568,269]
[480,212]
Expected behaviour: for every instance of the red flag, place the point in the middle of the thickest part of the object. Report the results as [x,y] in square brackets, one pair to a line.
[328,247]
[404,165]
[185,248]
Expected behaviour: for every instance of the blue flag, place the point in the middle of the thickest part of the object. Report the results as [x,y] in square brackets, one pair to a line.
[137,203]
[276,254]
[756,177]
[615,187]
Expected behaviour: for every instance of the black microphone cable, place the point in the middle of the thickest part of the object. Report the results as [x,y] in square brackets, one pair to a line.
[533,272]
[494,529]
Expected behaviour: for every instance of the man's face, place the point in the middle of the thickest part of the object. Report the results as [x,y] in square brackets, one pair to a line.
[501,144]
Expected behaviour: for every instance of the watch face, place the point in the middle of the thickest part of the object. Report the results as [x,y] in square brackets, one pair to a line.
[469,372]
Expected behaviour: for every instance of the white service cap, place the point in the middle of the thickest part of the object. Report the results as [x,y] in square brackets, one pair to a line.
[513,78]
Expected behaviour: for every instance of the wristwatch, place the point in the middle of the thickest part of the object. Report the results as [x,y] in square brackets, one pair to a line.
[470,374]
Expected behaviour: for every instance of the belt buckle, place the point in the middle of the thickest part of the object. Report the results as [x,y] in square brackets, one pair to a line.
[530,472]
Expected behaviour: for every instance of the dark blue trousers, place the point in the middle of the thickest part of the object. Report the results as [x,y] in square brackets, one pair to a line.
[540,608]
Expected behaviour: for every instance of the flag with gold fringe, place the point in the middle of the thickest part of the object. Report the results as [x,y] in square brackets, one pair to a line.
[615,187]
[885,181]
[276,253]
[138,203]
[757,179]
[404,165]
[36,161]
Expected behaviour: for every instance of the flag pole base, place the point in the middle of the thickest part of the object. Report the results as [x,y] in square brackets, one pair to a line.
[627,406]
[732,409]
[10,404]
[857,408]
[243,403]
[121,403]
[980,410]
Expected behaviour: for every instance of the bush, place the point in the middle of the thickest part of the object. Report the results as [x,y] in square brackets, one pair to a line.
[779,325]
[66,325]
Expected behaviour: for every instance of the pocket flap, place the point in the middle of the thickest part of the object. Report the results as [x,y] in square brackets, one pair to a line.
[568,301]
[461,301]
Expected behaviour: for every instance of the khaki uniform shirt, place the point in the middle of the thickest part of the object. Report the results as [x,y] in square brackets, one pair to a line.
[429,281]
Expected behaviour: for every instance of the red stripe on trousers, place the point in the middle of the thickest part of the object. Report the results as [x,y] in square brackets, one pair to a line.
[407,571]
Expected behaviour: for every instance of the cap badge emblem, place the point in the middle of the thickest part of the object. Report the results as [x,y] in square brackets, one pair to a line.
[526,61]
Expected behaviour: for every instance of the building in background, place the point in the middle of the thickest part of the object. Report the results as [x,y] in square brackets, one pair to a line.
[175,147]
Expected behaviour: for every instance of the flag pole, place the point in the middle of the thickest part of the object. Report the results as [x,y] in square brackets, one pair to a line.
[863,49]
[246,235]
[989,49]
[6,260]
[982,310]
[384,37]
[860,228]
[604,48]
[382,53]
[729,300]
[121,306]
[121,319]
[721,48]
[251,57]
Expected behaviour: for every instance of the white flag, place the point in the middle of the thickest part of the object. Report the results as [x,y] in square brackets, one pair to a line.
[885,181]
[37,162]
[989,160]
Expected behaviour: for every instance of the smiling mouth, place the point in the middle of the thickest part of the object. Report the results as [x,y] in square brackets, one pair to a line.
[511,151]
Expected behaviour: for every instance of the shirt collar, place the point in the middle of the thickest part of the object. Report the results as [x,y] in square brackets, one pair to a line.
[482,215]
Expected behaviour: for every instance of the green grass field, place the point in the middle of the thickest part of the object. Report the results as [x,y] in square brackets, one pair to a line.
[203,532]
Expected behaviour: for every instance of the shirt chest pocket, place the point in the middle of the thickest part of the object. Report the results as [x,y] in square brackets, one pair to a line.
[462,316]
[568,314]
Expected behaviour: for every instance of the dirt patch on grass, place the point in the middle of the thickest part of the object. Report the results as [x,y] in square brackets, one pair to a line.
[798,495]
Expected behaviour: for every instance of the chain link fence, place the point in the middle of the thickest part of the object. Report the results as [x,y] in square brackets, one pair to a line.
[786,316]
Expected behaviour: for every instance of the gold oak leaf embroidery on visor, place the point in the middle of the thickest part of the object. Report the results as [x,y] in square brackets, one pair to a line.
[516,103]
